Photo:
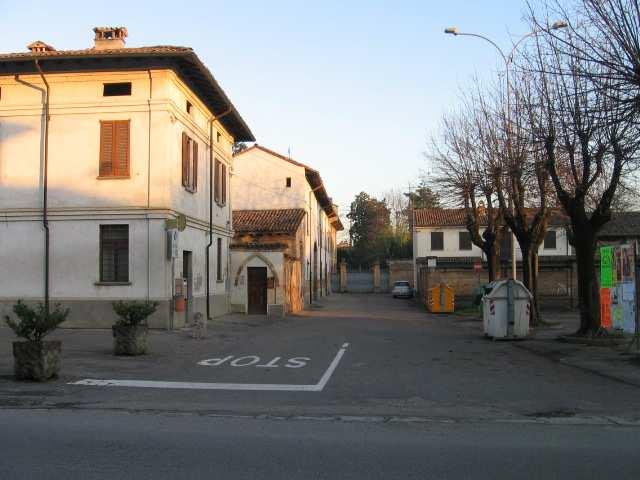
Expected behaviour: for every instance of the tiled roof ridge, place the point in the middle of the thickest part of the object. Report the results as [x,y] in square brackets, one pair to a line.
[273,220]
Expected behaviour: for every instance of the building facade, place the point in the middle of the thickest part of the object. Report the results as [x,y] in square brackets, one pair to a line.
[114,167]
[441,238]
[266,180]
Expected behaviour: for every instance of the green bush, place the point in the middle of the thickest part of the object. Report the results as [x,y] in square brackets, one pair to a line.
[133,312]
[36,323]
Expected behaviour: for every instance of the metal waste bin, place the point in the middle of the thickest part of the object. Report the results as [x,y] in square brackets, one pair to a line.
[441,299]
[506,309]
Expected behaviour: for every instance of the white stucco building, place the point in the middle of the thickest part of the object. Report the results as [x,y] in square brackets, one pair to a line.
[264,180]
[440,234]
[119,142]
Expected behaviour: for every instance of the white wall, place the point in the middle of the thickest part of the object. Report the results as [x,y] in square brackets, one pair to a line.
[422,244]
[259,182]
[79,202]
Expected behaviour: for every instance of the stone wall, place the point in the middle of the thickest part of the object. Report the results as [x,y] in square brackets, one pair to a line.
[400,270]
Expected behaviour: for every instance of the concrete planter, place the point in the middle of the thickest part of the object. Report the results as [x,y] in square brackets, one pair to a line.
[130,340]
[37,361]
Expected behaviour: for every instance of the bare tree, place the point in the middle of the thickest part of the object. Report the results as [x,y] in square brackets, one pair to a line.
[518,174]
[463,179]
[580,120]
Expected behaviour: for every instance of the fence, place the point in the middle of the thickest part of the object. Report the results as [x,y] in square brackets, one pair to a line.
[369,280]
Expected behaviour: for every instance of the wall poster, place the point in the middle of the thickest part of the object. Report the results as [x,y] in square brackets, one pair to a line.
[618,287]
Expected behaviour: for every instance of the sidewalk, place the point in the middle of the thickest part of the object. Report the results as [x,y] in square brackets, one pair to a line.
[613,361]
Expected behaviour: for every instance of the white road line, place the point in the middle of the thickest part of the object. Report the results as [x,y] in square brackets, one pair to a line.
[318,387]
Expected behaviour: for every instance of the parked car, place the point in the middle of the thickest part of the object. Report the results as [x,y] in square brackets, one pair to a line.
[402,289]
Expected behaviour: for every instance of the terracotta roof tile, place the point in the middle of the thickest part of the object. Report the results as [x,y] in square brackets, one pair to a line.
[314,179]
[456,217]
[267,221]
[623,224]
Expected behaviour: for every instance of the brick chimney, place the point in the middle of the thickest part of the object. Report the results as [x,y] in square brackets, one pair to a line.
[109,38]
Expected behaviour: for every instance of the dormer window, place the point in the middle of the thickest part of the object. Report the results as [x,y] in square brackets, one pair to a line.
[189,107]
[117,89]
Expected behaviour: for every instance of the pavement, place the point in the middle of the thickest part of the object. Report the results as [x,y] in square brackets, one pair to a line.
[360,386]
[397,361]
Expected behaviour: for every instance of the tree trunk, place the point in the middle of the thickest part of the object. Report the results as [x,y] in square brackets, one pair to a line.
[491,264]
[535,307]
[528,273]
[588,295]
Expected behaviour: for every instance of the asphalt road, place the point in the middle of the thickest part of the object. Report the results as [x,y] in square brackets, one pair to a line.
[400,361]
[412,396]
[110,445]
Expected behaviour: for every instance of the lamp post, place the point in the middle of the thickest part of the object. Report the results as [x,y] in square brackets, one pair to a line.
[508,60]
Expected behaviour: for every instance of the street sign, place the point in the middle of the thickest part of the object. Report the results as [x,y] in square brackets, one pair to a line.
[179,223]
[431,262]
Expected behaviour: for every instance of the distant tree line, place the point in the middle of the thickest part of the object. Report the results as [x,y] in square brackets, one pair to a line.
[380,230]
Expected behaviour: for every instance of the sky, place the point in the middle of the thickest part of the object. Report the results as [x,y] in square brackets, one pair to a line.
[354,89]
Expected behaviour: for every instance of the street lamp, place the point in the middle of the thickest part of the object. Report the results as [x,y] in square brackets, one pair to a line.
[508,60]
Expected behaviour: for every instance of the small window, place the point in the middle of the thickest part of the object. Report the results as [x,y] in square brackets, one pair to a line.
[189,107]
[218,137]
[464,240]
[219,261]
[116,89]
[0,93]
[114,253]
[550,240]
[288,182]
[437,241]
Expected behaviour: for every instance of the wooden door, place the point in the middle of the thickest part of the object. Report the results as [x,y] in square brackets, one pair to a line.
[257,290]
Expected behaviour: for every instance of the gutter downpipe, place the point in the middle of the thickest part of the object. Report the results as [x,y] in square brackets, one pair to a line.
[149,189]
[208,247]
[45,219]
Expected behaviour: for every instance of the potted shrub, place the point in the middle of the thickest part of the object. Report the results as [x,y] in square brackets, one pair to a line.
[130,330]
[33,357]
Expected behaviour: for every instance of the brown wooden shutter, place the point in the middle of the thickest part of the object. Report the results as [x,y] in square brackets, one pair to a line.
[185,160]
[216,182]
[106,149]
[195,166]
[121,149]
[224,184]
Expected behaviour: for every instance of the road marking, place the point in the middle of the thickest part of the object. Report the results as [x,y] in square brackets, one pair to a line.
[318,387]
[295,362]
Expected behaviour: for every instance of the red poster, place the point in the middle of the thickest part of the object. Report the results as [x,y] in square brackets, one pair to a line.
[605,308]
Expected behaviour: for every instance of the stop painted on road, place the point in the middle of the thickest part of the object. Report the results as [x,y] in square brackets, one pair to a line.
[256,361]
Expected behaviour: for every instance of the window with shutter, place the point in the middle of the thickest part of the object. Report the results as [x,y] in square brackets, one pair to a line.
[194,168]
[189,163]
[114,148]
[114,253]
[185,160]
[216,181]
[223,193]
[550,240]
[437,241]
[464,241]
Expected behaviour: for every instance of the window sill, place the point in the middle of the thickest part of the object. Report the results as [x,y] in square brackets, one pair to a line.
[109,177]
[190,190]
[219,281]
[111,284]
